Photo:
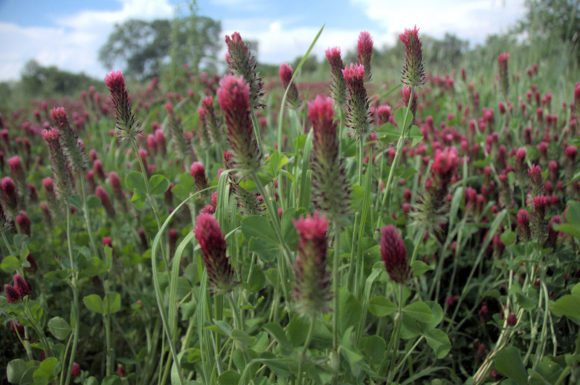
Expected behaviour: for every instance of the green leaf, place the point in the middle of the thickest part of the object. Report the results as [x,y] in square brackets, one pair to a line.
[134,181]
[567,306]
[508,237]
[159,184]
[10,264]
[419,311]
[374,348]
[229,377]
[59,328]
[20,372]
[439,342]
[112,303]
[419,268]
[278,334]
[47,370]
[508,362]
[400,117]
[297,330]
[94,303]
[184,187]
[573,230]
[275,163]
[257,226]
[381,306]
[573,213]
[112,380]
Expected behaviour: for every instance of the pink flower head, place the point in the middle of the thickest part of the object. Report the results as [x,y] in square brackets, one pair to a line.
[353,73]
[358,103]
[75,370]
[234,99]
[445,163]
[242,63]
[23,223]
[213,248]
[338,87]
[21,286]
[312,280]
[286,73]
[114,180]
[103,196]
[11,294]
[503,57]
[413,72]
[502,61]
[394,254]
[197,171]
[364,50]
[571,152]
[312,228]
[115,82]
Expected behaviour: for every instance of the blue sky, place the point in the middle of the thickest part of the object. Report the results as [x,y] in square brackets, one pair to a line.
[68,33]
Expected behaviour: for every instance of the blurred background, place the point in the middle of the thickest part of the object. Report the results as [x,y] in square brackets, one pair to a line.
[61,47]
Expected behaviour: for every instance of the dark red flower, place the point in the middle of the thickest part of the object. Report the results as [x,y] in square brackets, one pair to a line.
[394,254]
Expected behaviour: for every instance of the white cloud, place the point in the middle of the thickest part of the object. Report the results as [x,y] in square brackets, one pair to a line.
[73,42]
[278,43]
[471,20]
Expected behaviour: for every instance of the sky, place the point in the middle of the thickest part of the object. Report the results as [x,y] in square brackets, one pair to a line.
[69,33]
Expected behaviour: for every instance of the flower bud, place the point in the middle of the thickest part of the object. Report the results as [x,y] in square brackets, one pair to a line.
[213,248]
[394,254]
[312,280]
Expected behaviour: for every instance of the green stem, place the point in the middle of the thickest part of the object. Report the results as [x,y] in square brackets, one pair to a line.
[335,284]
[74,317]
[304,350]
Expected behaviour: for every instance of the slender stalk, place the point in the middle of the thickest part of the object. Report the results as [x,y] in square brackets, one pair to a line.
[74,316]
[304,350]
[335,284]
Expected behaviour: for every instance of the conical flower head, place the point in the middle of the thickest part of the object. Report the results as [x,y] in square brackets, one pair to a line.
[213,249]
[286,72]
[312,289]
[330,187]
[58,161]
[21,286]
[394,254]
[413,72]
[358,103]
[502,62]
[70,140]
[242,63]
[125,121]
[338,87]
[234,99]
[364,52]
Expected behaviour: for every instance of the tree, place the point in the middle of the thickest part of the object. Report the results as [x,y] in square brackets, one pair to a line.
[143,47]
[37,81]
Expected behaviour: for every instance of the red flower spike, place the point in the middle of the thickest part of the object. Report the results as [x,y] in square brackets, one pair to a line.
[234,99]
[413,72]
[394,254]
[213,248]
[364,50]
[312,280]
